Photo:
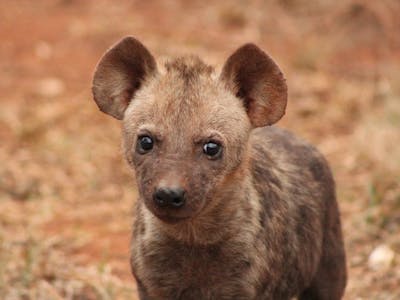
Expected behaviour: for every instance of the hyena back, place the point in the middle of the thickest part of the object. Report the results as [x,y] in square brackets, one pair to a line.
[229,207]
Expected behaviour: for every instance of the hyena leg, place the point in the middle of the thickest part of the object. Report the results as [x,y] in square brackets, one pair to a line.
[330,280]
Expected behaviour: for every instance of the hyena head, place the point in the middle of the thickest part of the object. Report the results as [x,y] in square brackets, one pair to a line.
[186,130]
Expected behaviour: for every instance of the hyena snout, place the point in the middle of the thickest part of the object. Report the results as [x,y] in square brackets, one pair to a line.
[169,197]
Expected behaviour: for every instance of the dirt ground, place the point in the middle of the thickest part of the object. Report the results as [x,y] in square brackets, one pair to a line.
[66,195]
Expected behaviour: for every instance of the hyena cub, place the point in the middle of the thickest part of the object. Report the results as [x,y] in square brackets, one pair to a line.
[229,207]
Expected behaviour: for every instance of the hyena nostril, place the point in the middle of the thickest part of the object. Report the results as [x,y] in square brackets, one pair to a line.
[178,201]
[169,197]
[159,200]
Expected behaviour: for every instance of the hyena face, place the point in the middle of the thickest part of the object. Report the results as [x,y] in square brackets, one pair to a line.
[185,129]
[183,133]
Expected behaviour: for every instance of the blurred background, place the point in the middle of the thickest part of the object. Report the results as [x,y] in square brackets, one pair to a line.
[66,195]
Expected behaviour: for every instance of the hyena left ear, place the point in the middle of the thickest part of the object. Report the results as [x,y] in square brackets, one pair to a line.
[256,79]
[119,74]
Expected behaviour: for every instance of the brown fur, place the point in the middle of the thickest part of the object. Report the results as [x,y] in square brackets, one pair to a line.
[262,221]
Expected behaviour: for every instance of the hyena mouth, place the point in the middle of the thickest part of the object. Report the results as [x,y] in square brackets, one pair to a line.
[171,219]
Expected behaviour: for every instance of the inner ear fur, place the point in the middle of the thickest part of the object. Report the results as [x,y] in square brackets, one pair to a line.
[119,74]
[257,80]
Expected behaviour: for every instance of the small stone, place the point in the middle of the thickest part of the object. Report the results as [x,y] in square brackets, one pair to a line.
[381,258]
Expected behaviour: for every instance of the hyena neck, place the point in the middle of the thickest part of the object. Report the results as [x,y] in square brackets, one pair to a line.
[232,218]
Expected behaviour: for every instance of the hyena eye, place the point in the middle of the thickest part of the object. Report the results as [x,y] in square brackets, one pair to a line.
[212,149]
[144,144]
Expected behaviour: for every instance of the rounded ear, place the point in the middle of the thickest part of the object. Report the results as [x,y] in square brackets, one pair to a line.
[255,78]
[119,74]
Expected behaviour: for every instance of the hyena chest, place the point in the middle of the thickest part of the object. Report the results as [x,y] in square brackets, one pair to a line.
[198,273]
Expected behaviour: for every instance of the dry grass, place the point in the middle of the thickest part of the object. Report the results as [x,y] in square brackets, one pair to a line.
[65,192]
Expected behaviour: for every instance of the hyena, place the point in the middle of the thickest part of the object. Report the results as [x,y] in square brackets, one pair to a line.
[229,207]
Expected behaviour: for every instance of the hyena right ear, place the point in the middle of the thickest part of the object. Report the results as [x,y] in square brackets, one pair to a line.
[119,74]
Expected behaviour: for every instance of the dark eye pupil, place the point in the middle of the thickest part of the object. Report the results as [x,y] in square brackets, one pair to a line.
[211,149]
[146,143]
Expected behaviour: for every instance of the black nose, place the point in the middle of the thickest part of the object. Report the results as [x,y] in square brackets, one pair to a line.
[169,197]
